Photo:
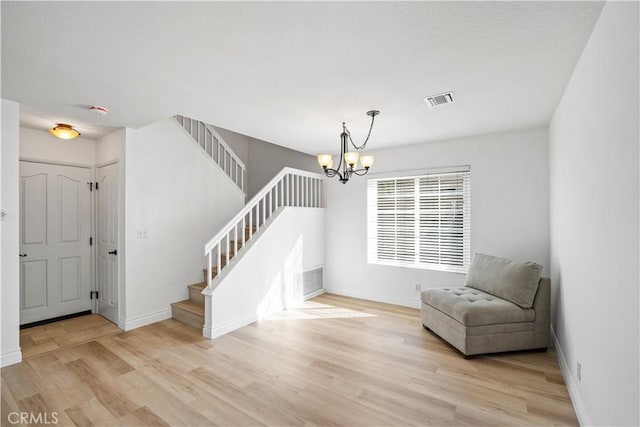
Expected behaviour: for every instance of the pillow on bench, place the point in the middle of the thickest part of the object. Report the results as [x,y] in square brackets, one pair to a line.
[515,281]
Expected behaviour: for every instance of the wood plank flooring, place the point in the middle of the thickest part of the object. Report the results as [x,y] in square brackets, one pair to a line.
[65,333]
[336,361]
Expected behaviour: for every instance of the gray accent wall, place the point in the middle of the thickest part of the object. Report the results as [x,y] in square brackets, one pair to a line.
[263,160]
[266,160]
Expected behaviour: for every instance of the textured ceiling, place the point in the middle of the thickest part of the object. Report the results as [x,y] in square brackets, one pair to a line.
[291,72]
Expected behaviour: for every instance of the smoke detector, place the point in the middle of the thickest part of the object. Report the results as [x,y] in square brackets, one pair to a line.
[440,99]
[101,111]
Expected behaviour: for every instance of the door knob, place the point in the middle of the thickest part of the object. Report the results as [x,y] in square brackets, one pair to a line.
[23,255]
[113,252]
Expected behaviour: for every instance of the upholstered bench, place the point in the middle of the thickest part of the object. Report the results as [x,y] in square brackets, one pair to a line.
[504,306]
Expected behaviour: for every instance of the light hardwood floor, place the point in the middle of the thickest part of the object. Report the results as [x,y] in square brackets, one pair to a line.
[65,333]
[337,361]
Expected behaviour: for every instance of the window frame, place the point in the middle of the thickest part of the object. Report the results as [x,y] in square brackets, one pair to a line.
[373,229]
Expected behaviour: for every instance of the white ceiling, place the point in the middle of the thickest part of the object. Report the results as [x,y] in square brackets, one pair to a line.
[291,72]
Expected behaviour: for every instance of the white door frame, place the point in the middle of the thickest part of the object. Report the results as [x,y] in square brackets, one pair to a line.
[91,169]
[121,252]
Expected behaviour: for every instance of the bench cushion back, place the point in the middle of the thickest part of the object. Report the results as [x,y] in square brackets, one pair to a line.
[515,281]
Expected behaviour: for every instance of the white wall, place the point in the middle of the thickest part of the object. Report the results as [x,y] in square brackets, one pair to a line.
[594,222]
[509,212]
[41,146]
[177,194]
[268,274]
[110,147]
[9,269]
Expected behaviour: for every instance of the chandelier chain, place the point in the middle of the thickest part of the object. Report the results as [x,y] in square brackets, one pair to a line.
[364,144]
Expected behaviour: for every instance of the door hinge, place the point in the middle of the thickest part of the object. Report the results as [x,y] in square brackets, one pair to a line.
[93,294]
[90,241]
[90,186]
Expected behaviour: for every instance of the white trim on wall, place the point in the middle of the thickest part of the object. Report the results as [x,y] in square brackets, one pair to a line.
[10,358]
[144,320]
[569,380]
[388,299]
[228,326]
[314,294]
[57,163]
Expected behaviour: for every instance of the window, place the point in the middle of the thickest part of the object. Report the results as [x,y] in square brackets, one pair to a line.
[420,221]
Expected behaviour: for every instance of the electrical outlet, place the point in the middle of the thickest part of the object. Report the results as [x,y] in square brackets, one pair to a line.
[579,371]
[418,287]
[142,233]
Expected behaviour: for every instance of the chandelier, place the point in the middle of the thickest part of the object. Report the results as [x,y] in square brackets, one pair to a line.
[348,164]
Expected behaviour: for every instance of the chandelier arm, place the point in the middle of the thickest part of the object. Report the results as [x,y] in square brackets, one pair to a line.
[330,173]
[361,172]
[373,118]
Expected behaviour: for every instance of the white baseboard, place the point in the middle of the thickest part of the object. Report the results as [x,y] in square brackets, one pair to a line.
[570,381]
[388,299]
[239,322]
[10,358]
[228,326]
[314,294]
[143,320]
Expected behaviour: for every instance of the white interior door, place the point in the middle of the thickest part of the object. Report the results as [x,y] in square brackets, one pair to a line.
[55,257]
[107,239]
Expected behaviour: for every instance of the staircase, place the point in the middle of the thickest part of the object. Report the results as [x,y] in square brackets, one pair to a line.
[214,147]
[191,311]
[289,188]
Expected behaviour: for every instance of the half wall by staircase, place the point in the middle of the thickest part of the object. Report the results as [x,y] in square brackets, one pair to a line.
[257,260]
[268,277]
[178,197]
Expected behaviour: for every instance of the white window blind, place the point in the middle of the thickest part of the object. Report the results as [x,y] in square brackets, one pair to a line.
[420,221]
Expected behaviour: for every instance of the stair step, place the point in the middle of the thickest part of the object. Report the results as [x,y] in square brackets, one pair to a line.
[195,293]
[188,312]
[214,272]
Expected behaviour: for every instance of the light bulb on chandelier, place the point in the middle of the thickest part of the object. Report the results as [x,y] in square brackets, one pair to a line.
[348,163]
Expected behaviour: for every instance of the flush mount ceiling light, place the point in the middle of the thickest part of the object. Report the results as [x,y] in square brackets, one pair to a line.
[64,131]
[347,165]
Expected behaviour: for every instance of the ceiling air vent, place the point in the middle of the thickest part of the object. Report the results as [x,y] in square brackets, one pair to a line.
[443,98]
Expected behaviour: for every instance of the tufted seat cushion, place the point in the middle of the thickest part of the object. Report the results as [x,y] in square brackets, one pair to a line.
[472,307]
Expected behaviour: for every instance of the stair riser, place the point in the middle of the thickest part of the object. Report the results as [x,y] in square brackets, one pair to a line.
[196,296]
[187,317]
